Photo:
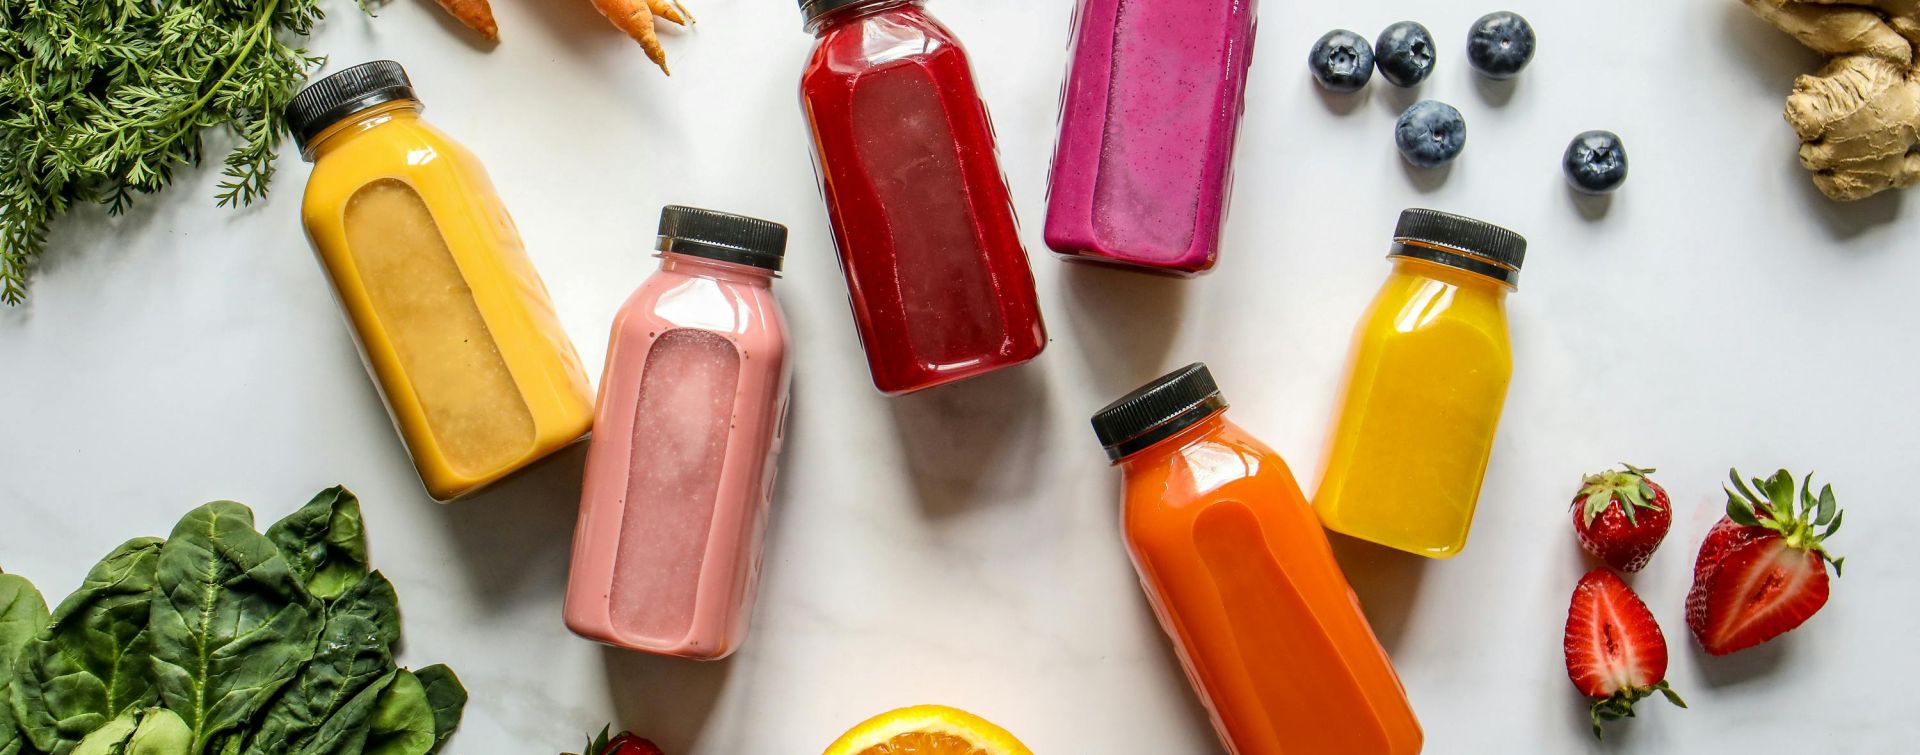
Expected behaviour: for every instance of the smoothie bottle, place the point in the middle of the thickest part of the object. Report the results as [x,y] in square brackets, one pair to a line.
[1425,385]
[680,469]
[938,280]
[1243,581]
[1154,94]
[452,321]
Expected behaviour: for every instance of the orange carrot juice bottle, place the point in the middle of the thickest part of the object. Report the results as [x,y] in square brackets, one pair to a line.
[1243,581]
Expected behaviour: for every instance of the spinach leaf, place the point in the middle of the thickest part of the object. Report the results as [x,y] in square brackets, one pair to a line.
[402,722]
[91,663]
[110,739]
[345,732]
[161,732]
[355,650]
[448,698]
[23,613]
[231,625]
[324,543]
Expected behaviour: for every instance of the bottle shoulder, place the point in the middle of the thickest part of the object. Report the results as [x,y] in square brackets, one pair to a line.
[406,149]
[905,34]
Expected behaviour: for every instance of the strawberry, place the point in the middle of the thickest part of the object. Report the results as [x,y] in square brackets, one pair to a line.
[623,744]
[1621,517]
[1615,652]
[1763,568]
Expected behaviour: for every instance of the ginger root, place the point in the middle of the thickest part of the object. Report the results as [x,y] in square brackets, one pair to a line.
[1858,118]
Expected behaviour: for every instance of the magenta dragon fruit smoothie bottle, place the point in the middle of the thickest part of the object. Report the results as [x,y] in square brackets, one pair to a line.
[1154,94]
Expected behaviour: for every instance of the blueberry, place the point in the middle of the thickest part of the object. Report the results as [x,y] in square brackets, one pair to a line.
[1596,162]
[1341,61]
[1430,133]
[1500,44]
[1404,53]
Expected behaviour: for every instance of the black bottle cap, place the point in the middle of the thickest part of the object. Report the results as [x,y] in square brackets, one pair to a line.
[1465,243]
[1171,403]
[330,100]
[722,236]
[812,10]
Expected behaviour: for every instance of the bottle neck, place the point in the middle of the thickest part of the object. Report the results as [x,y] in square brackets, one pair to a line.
[1451,275]
[1153,454]
[848,12]
[701,267]
[359,123]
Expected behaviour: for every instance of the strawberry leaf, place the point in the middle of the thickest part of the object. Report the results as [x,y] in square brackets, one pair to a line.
[1734,474]
[1827,509]
[1740,511]
[1833,526]
[1780,493]
[1806,497]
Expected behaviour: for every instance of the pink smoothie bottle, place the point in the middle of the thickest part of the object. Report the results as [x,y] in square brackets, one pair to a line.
[680,469]
[1154,94]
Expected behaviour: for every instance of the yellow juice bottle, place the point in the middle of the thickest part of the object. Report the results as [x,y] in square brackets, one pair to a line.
[453,322]
[1425,385]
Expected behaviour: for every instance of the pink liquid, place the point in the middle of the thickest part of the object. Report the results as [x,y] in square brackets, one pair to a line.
[679,446]
[673,508]
[1152,105]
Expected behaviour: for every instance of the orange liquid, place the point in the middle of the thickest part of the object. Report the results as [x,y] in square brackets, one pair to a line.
[1244,583]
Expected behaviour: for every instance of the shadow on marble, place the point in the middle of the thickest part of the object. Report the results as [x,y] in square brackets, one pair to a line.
[514,539]
[974,442]
[1755,664]
[1387,582]
[1127,322]
[1846,220]
[667,700]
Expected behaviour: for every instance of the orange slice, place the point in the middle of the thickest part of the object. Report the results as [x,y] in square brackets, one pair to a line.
[927,730]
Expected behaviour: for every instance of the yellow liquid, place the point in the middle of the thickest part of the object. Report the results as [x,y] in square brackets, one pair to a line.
[1428,376]
[455,325]
[475,412]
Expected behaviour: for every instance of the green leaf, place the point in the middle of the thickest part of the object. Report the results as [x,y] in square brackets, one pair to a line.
[1828,506]
[90,664]
[1739,511]
[232,624]
[324,542]
[161,732]
[1745,492]
[1780,493]
[402,722]
[1833,526]
[354,651]
[1806,496]
[110,739]
[448,698]
[345,732]
[23,613]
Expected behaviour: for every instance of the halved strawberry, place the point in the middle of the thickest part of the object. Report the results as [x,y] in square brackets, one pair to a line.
[1615,651]
[626,743]
[1763,568]
[1621,517]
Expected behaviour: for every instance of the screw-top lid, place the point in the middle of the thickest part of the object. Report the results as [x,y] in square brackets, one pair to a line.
[1467,244]
[722,236]
[1171,403]
[812,10]
[332,99]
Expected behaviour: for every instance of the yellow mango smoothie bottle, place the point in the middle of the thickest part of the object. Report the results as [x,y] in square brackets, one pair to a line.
[1424,388]
[453,322]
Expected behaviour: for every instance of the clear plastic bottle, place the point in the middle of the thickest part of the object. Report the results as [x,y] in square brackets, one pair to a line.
[454,324]
[680,472]
[1424,389]
[939,282]
[1244,582]
[1154,94]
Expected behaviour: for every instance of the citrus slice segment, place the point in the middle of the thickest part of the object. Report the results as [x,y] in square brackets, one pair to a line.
[927,730]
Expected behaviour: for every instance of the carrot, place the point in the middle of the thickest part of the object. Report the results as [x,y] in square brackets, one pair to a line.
[476,14]
[635,17]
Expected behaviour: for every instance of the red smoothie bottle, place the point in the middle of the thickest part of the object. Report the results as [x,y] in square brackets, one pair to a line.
[939,283]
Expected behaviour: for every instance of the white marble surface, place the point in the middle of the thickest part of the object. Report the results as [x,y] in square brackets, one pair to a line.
[961,546]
